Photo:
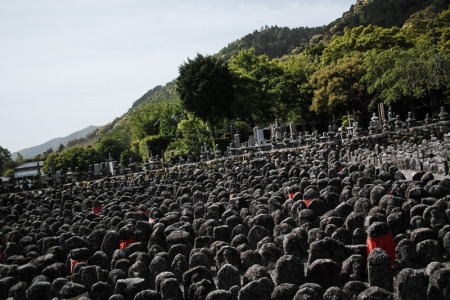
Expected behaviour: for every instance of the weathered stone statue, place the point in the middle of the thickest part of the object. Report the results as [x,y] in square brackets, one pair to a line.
[390,114]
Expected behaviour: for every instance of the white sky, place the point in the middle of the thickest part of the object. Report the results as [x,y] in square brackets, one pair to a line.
[65,65]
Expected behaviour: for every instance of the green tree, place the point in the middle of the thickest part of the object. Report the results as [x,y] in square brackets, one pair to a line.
[19,159]
[172,113]
[8,173]
[60,148]
[146,120]
[127,154]
[205,87]
[429,25]
[293,91]
[414,73]
[155,144]
[362,39]
[5,156]
[255,81]
[337,87]
[113,143]
[49,162]
[194,133]
[74,157]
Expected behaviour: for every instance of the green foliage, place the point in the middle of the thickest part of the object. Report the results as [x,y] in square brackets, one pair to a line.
[383,13]
[73,157]
[19,159]
[272,41]
[193,132]
[178,147]
[362,39]
[5,155]
[293,91]
[8,173]
[158,94]
[60,148]
[256,78]
[127,154]
[74,142]
[205,87]
[337,87]
[291,75]
[146,121]
[430,25]
[10,164]
[155,143]
[49,162]
[113,144]
[415,72]
[172,114]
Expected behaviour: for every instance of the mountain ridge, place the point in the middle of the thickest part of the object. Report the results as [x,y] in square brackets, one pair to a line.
[53,143]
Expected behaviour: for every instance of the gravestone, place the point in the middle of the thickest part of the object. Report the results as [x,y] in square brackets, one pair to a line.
[111,167]
[260,137]
[251,141]
[237,141]
[96,169]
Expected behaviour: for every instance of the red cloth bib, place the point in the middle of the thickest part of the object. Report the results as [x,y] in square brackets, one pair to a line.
[340,168]
[124,243]
[97,209]
[74,262]
[385,242]
[144,211]
[307,202]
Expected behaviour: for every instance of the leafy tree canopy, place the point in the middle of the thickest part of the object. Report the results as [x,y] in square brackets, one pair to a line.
[362,39]
[395,73]
[114,143]
[256,78]
[72,158]
[337,87]
[5,155]
[205,87]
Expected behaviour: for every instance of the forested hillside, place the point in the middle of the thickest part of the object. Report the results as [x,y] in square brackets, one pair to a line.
[158,93]
[384,13]
[273,41]
[395,52]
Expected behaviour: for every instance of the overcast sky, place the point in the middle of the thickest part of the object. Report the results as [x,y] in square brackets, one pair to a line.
[65,65]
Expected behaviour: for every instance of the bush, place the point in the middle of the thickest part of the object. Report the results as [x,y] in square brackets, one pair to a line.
[178,147]
[111,145]
[73,157]
[8,173]
[127,154]
[155,143]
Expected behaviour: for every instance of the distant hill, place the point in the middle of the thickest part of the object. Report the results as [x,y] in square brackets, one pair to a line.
[53,143]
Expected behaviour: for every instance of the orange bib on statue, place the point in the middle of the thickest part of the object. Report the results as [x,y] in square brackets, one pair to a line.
[74,262]
[385,242]
[124,243]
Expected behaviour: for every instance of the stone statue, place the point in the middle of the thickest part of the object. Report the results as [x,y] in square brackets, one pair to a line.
[390,113]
